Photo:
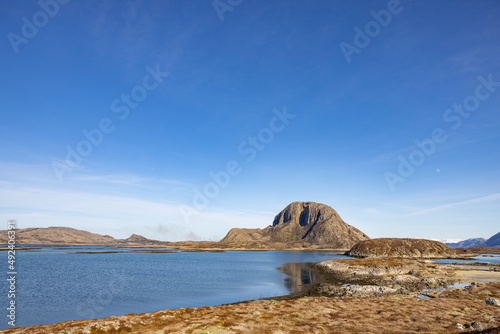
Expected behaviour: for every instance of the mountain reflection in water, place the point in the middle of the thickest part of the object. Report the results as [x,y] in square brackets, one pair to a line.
[301,276]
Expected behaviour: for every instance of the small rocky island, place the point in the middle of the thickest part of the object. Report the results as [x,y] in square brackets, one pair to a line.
[392,266]
[396,247]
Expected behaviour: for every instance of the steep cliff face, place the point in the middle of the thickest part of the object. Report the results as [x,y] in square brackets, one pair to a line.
[394,247]
[305,222]
[315,223]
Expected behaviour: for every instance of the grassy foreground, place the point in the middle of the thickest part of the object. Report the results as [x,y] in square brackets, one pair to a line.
[387,314]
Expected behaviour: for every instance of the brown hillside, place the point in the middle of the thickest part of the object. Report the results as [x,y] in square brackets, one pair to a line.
[306,222]
[394,247]
[56,235]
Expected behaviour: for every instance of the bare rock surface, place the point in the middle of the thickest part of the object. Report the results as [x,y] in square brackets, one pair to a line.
[325,289]
[402,274]
[477,326]
[492,301]
[307,222]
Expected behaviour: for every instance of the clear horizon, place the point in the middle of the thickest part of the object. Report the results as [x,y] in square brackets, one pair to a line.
[179,121]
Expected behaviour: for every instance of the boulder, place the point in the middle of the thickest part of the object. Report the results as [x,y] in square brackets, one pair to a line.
[492,301]
[331,290]
[477,326]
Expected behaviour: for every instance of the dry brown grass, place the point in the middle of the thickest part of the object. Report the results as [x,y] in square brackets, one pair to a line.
[473,293]
[480,250]
[385,262]
[251,246]
[391,314]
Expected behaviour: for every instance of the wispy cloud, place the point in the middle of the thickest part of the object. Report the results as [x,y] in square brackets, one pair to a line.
[30,174]
[118,215]
[114,204]
[127,179]
[480,200]
[445,241]
[371,210]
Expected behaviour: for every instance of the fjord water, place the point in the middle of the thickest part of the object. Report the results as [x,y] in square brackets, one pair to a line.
[56,284]
[485,258]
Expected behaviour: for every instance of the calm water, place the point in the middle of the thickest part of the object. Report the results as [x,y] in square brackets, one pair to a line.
[490,258]
[55,284]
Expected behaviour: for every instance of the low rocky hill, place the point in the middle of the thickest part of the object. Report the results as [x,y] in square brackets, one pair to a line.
[395,247]
[139,240]
[308,223]
[56,235]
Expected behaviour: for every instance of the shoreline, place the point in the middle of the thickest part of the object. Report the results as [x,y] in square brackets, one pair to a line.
[390,313]
[310,298]
[217,247]
[187,248]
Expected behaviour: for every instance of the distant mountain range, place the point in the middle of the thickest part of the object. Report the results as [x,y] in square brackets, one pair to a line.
[493,242]
[56,235]
[474,242]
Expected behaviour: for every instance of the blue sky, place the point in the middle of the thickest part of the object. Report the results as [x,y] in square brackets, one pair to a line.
[156,99]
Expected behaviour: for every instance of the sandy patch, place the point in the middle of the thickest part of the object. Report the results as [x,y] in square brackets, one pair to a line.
[467,276]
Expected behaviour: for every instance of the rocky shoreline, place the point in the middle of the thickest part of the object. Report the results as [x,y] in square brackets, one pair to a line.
[385,314]
[392,276]
[380,276]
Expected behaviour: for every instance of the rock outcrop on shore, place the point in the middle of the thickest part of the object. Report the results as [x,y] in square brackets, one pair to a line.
[309,223]
[57,235]
[379,314]
[395,247]
[402,275]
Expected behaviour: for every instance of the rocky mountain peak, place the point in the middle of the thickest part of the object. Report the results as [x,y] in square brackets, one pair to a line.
[305,214]
[306,222]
